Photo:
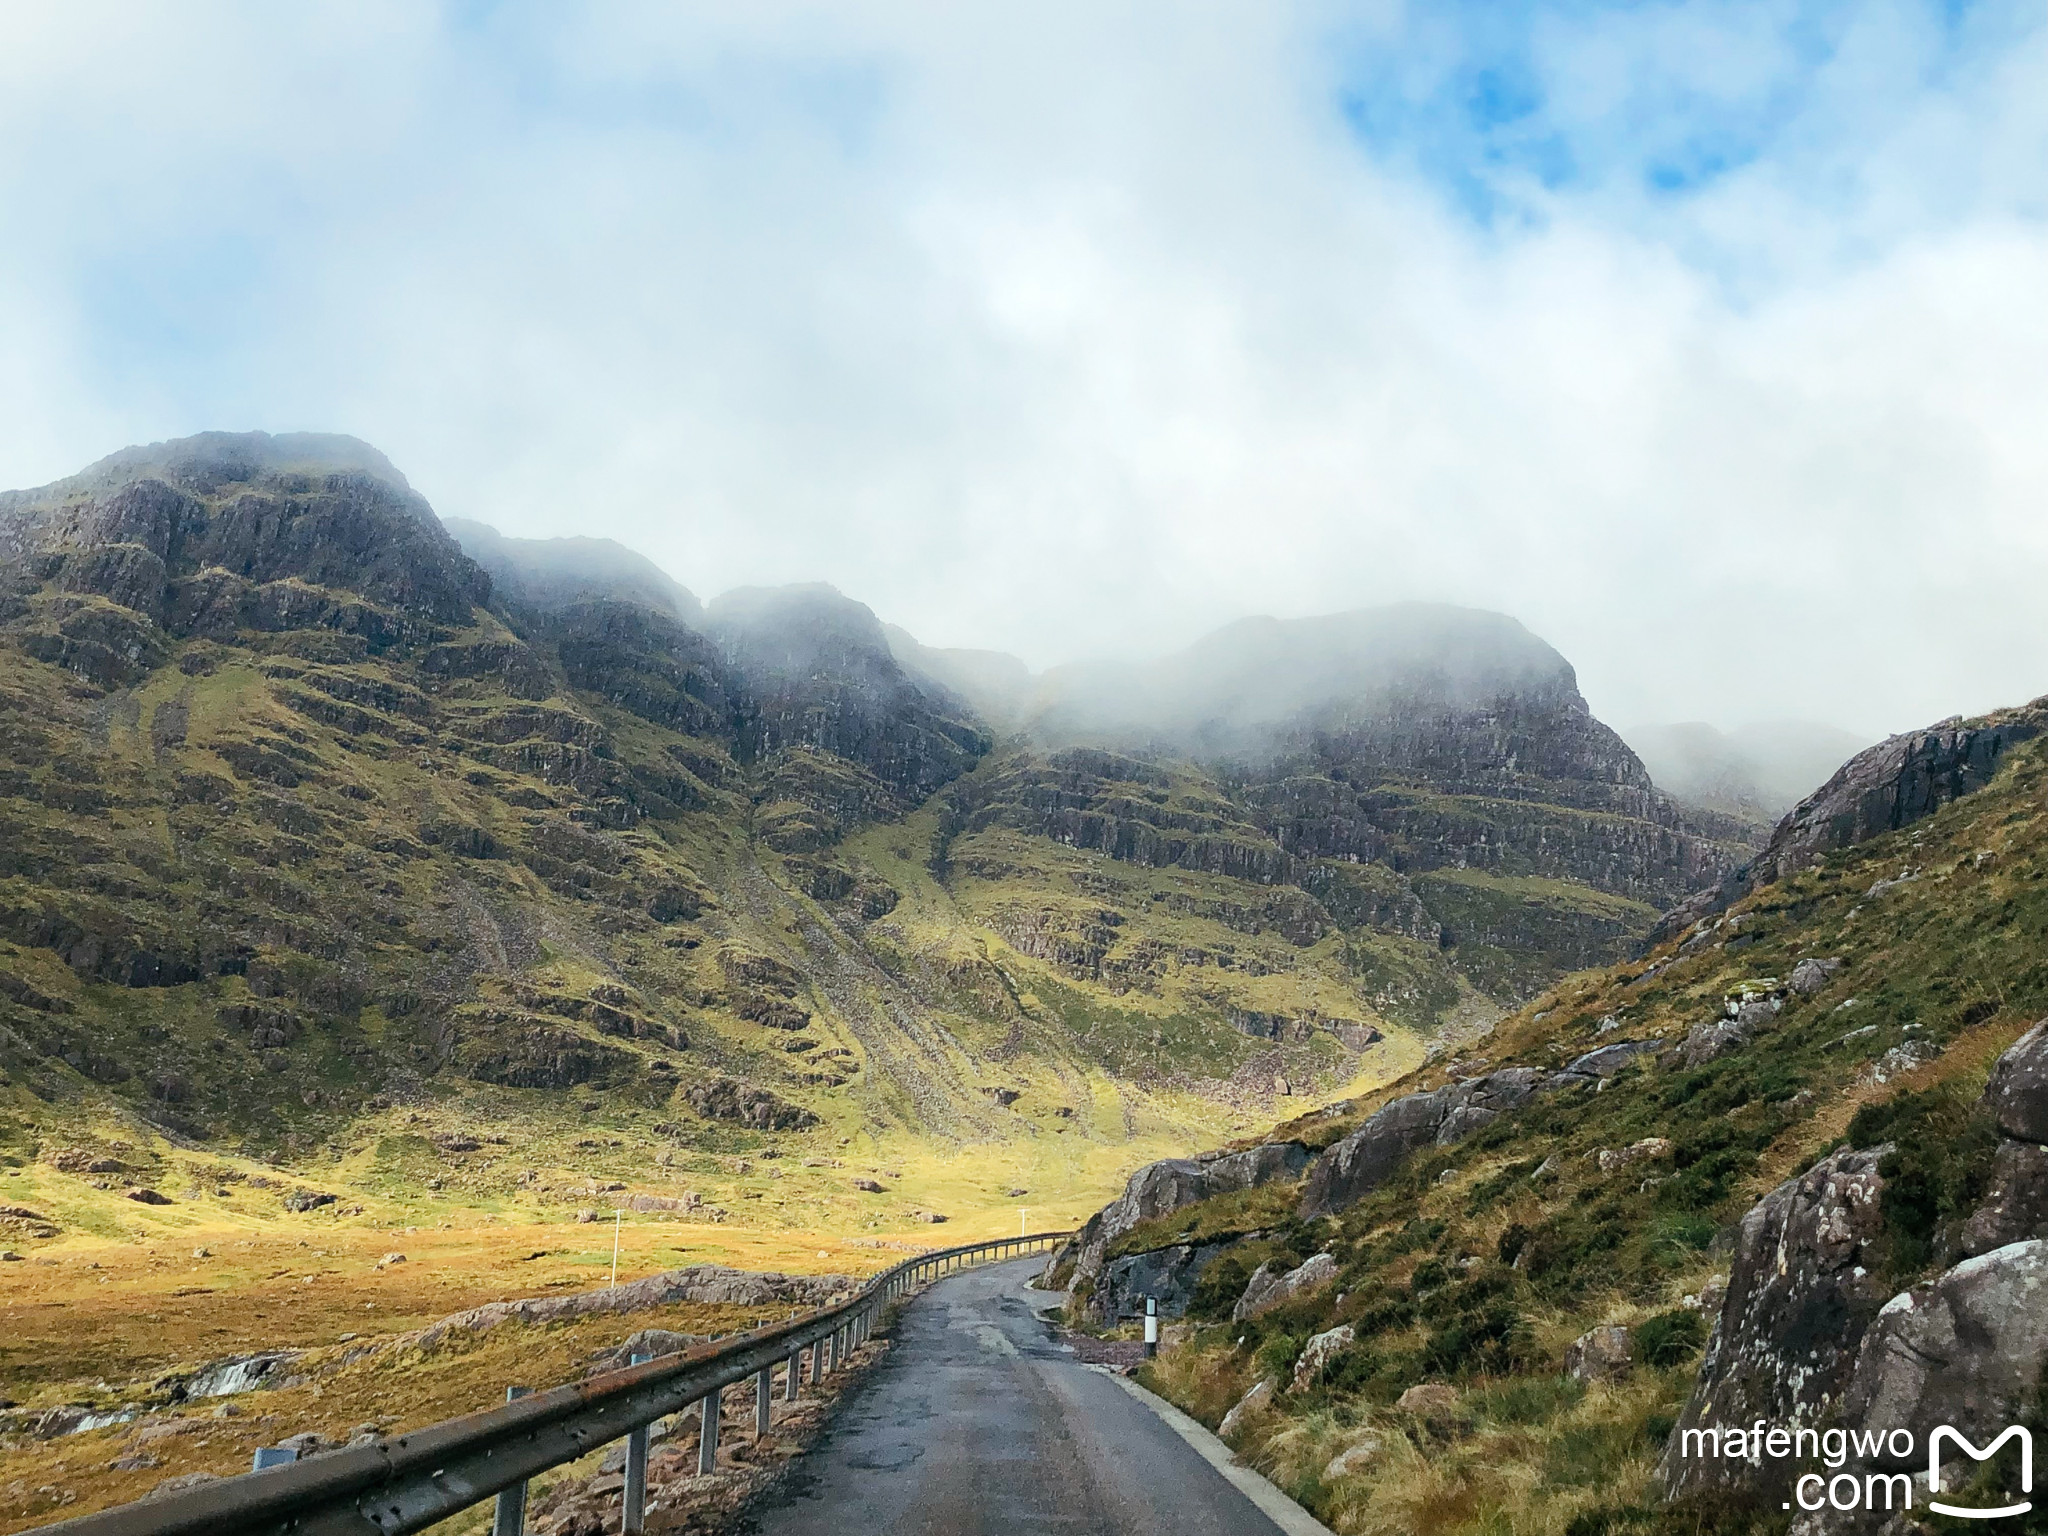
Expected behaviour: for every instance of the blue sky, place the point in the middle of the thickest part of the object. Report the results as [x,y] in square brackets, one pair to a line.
[1707,339]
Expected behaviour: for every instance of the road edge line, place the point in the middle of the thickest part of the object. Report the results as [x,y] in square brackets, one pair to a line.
[1272,1503]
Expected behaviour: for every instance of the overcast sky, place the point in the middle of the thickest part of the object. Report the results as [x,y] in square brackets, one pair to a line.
[1709,340]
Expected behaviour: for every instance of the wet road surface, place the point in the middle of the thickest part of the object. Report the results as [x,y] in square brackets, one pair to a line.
[978,1423]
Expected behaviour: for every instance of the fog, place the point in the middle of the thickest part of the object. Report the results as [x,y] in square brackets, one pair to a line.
[1705,341]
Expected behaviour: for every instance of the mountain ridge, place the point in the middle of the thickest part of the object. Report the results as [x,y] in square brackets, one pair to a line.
[370,822]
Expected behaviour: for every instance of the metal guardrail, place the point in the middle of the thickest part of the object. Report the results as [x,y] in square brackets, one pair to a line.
[408,1482]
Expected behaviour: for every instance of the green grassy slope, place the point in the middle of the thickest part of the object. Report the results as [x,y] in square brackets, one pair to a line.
[1479,1262]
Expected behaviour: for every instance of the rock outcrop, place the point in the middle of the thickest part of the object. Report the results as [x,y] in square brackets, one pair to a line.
[1805,1335]
[1801,1292]
[2017,1094]
[1158,1189]
[1273,1285]
[1351,1169]
[1899,781]
[1166,1275]
[2015,1206]
[1966,1349]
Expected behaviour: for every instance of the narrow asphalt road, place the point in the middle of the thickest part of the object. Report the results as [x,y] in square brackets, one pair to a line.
[977,1422]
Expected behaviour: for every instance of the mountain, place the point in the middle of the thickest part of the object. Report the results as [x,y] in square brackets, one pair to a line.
[1789,1167]
[996,685]
[1755,772]
[1253,685]
[312,813]
[559,573]
[1420,771]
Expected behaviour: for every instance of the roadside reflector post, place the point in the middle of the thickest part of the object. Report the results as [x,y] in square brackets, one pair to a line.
[510,1519]
[633,1500]
[707,1437]
[1151,1326]
[268,1456]
[764,1394]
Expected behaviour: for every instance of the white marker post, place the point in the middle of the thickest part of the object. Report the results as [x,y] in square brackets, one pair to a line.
[617,1217]
[1151,1326]
[1023,1218]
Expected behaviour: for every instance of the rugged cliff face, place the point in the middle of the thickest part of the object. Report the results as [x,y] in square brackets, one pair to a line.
[826,694]
[1422,773]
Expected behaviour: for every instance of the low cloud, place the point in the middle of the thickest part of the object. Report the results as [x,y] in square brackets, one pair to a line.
[1716,364]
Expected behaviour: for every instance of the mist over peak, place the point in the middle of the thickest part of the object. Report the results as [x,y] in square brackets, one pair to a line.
[551,573]
[209,461]
[1231,691]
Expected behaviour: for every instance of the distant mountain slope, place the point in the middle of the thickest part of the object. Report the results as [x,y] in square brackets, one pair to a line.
[555,573]
[303,814]
[1753,772]
[1419,771]
[997,686]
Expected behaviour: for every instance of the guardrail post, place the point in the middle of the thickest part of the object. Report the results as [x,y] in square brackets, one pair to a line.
[510,1518]
[764,1391]
[633,1498]
[792,1383]
[707,1438]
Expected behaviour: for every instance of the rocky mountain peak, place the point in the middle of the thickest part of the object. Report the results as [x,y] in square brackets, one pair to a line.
[224,533]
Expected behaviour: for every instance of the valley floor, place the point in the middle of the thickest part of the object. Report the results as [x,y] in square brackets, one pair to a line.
[128,1295]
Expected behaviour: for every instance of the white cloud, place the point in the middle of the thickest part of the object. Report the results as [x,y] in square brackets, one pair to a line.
[1089,328]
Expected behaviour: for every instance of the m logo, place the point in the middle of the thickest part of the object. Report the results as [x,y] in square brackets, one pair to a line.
[2018,1432]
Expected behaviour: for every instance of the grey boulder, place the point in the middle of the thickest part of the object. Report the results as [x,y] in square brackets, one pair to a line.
[1785,1342]
[2015,1207]
[1711,1041]
[1319,1352]
[1604,1354]
[2018,1091]
[1965,1350]
[1271,1285]
[1350,1170]
[1810,976]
